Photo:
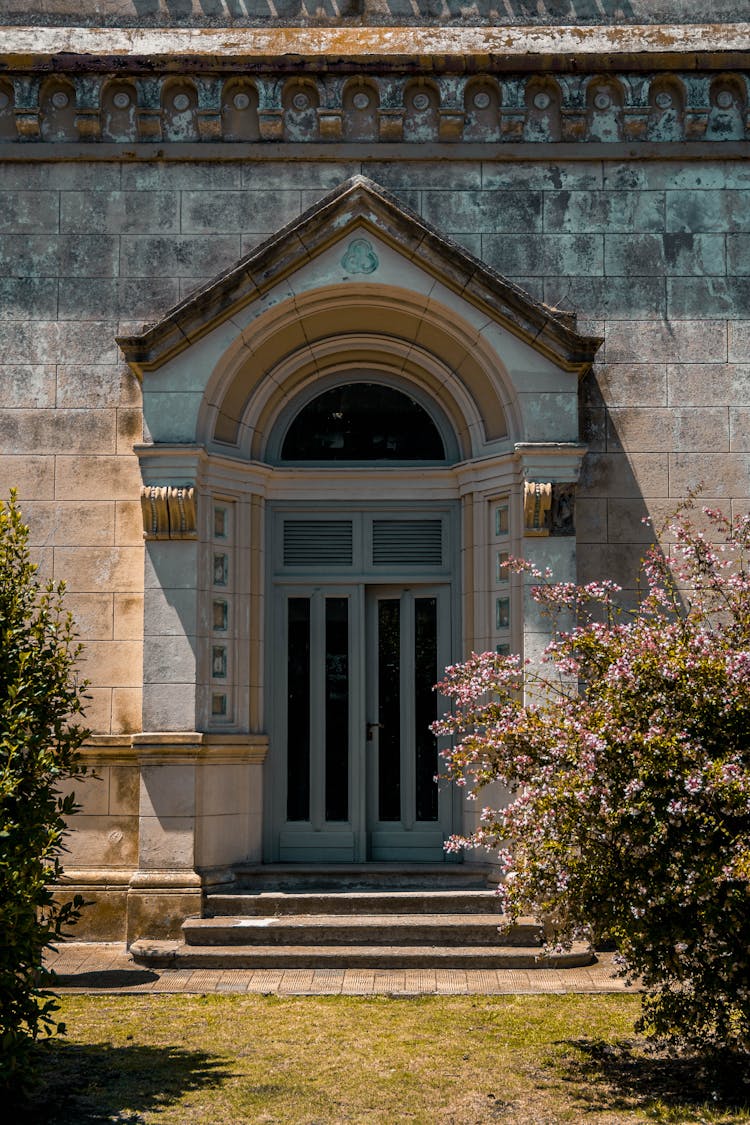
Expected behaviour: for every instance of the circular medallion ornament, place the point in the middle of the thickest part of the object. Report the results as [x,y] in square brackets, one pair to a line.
[121,100]
[481,99]
[300,101]
[181,102]
[542,100]
[602,100]
[60,99]
[663,100]
[241,101]
[420,101]
[360,257]
[361,101]
[724,99]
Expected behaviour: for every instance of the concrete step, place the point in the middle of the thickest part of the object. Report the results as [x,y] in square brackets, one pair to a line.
[363,876]
[177,955]
[276,904]
[397,930]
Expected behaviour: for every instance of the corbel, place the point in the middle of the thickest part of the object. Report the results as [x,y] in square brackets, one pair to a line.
[169,511]
[451,124]
[537,504]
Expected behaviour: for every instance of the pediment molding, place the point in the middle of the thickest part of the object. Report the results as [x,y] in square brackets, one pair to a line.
[358,207]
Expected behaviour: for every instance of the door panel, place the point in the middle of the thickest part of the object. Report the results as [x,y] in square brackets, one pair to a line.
[408,817]
[356,669]
[320,774]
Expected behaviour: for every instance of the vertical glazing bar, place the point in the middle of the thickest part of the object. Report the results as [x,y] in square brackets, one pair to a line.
[389,709]
[298,709]
[337,709]
[425,707]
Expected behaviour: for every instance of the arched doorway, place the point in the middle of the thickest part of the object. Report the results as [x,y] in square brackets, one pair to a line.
[293,597]
[363,602]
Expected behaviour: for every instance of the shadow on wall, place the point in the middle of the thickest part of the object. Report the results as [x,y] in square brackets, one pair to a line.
[612,538]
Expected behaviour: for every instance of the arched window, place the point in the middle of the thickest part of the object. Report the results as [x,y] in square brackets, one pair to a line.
[363,422]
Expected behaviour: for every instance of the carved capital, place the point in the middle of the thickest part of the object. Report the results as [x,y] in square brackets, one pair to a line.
[271,124]
[391,125]
[209,125]
[27,124]
[169,511]
[88,124]
[330,124]
[451,124]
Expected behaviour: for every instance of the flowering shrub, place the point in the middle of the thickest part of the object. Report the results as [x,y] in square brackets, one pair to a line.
[630,797]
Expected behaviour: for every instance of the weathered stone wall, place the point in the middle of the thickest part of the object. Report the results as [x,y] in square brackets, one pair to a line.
[651,254]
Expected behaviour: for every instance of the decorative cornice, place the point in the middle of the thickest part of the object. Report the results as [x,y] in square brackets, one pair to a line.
[636,46]
[168,746]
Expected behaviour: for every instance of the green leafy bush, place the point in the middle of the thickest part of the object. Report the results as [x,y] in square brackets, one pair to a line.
[630,797]
[39,696]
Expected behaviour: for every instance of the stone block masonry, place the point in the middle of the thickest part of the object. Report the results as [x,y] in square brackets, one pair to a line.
[600,166]
[655,267]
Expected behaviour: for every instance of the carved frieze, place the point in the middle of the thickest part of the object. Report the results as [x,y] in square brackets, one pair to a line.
[531,108]
[169,511]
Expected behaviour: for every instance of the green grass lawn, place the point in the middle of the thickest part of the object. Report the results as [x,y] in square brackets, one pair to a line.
[459,1060]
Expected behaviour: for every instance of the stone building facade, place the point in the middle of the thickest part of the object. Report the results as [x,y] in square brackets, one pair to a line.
[308,317]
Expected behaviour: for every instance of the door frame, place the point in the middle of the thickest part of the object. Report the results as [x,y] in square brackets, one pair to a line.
[352,844]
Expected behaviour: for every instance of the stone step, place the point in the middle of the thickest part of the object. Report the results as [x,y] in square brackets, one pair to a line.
[177,955]
[396,930]
[363,876]
[285,903]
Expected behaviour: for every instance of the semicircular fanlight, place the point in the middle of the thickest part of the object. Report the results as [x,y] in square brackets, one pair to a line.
[363,422]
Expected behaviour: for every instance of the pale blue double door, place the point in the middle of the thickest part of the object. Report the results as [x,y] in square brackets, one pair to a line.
[355,760]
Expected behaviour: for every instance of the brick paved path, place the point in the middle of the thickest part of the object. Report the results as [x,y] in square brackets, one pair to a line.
[93,967]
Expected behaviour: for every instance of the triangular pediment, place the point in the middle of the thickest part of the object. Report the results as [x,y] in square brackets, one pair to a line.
[360,206]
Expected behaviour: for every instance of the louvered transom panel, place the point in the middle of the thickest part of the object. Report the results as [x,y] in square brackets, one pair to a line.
[318,543]
[407,543]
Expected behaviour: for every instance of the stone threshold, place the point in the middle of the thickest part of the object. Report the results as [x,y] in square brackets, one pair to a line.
[108,969]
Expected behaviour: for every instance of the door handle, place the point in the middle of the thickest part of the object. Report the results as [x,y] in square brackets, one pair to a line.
[370,728]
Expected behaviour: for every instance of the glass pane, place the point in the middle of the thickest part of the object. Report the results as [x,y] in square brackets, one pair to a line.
[298,709]
[425,707]
[502,522]
[363,422]
[389,710]
[337,709]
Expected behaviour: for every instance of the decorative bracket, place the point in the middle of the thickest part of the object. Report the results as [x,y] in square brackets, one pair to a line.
[537,503]
[169,511]
[549,509]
